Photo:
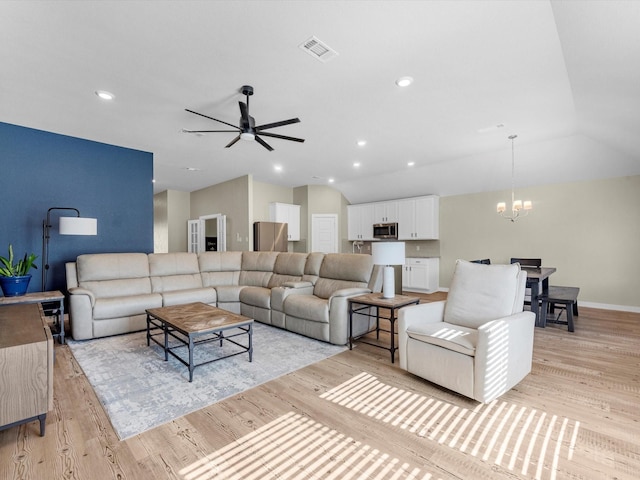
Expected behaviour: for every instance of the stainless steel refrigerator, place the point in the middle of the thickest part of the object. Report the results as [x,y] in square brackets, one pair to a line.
[270,237]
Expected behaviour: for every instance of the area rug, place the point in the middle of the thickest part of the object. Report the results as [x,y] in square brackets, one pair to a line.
[140,391]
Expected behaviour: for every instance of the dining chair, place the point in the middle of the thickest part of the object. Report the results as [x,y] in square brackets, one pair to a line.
[484,261]
[529,262]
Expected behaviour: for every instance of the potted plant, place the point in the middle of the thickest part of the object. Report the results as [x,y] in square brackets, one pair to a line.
[15,277]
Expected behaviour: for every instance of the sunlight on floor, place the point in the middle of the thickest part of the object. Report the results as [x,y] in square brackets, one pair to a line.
[296,447]
[518,438]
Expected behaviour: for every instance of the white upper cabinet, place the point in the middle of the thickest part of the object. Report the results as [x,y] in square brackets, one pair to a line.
[419,218]
[289,214]
[385,212]
[360,221]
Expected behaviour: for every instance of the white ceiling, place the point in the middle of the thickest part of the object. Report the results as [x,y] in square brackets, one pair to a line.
[562,75]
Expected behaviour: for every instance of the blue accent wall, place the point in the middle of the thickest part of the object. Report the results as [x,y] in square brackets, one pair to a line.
[40,170]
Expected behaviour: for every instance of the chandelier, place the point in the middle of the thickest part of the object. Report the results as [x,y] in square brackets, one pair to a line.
[518,208]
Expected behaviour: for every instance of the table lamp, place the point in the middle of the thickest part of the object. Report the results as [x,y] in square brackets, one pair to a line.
[388,254]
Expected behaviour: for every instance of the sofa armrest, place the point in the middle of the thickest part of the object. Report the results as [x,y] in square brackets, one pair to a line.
[411,315]
[83,291]
[504,354]
[81,302]
[339,313]
[349,292]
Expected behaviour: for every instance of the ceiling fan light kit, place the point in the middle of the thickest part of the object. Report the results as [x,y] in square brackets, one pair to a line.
[247,130]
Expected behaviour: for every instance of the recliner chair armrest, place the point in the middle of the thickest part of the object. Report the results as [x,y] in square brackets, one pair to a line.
[422,313]
[504,353]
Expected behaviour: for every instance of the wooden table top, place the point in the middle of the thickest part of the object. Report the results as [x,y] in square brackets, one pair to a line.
[33,297]
[21,324]
[198,317]
[377,300]
[538,273]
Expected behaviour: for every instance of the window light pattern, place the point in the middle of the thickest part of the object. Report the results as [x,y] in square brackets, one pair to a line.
[295,447]
[517,438]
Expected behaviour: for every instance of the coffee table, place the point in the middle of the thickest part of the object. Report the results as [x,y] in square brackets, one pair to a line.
[186,323]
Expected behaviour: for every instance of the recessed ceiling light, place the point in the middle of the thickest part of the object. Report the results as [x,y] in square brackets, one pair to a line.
[362,143]
[192,169]
[411,164]
[356,164]
[331,180]
[104,95]
[153,180]
[404,81]
[277,168]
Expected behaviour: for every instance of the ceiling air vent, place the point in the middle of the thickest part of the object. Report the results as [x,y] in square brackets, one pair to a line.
[318,49]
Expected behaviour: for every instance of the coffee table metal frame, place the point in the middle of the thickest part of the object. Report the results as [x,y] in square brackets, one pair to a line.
[189,339]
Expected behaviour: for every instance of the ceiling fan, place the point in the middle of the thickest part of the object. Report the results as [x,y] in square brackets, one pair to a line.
[248,129]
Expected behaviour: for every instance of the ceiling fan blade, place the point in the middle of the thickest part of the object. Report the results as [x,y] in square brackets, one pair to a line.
[264,144]
[245,120]
[232,142]
[211,118]
[283,137]
[184,130]
[277,124]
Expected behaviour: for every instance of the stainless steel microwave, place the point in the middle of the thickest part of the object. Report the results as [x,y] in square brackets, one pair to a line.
[385,230]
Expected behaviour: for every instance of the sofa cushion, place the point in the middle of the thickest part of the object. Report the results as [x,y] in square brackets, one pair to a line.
[453,337]
[228,293]
[175,282]
[118,288]
[220,261]
[479,293]
[289,267]
[112,266]
[178,297]
[162,264]
[256,296]
[124,306]
[312,267]
[347,266]
[257,268]
[308,307]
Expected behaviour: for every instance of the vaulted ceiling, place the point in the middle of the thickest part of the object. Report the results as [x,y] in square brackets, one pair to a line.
[562,75]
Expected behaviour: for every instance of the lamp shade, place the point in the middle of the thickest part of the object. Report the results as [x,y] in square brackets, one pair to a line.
[388,253]
[78,226]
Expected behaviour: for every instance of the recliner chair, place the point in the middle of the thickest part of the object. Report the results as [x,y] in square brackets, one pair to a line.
[479,342]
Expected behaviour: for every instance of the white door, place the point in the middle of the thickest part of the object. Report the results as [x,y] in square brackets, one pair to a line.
[195,239]
[324,233]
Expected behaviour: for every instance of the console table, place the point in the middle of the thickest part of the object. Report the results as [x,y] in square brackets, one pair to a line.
[43,297]
[26,366]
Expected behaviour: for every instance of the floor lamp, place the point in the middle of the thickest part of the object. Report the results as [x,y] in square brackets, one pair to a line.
[68,226]
[388,254]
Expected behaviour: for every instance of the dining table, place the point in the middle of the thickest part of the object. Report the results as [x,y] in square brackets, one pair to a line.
[538,282]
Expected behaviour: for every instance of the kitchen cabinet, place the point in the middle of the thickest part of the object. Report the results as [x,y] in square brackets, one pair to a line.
[385,212]
[418,218]
[421,275]
[289,214]
[360,221]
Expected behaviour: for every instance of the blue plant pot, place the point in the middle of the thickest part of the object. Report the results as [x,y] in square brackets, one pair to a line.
[15,286]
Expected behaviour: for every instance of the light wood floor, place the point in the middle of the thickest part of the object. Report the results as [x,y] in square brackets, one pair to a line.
[357,416]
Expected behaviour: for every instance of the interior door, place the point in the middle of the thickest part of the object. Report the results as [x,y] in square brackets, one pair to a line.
[324,233]
[195,238]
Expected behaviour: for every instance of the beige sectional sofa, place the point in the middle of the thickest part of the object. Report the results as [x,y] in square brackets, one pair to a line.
[300,292]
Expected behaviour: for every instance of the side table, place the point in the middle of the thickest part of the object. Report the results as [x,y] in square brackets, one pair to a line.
[42,298]
[362,302]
